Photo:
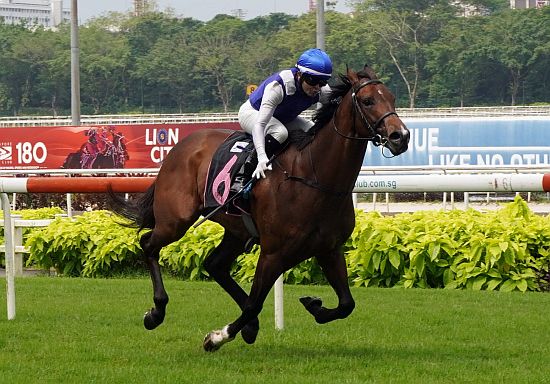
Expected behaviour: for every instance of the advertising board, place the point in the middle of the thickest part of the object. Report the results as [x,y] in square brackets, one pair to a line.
[97,146]
[471,141]
[434,141]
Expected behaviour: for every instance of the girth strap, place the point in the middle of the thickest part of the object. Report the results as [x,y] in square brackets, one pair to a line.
[250,225]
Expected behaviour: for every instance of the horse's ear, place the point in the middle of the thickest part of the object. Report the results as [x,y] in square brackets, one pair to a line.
[351,74]
[368,70]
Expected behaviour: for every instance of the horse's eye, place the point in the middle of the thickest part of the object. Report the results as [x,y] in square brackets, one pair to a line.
[368,101]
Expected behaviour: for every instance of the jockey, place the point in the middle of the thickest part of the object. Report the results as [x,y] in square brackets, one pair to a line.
[278,102]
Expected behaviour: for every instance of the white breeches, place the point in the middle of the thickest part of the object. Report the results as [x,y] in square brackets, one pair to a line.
[248,117]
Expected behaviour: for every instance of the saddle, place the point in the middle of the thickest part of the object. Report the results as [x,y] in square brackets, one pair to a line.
[230,173]
[230,169]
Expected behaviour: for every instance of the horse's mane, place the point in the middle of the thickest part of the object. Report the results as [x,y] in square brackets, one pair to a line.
[323,115]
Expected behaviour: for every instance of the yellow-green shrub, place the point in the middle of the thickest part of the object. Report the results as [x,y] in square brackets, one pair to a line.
[508,249]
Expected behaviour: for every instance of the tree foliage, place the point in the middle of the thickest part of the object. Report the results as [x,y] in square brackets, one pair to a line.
[426,52]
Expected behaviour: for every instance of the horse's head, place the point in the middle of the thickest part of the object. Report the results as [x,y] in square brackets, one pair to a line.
[374,112]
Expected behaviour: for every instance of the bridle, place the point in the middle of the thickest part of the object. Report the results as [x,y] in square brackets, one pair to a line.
[375,138]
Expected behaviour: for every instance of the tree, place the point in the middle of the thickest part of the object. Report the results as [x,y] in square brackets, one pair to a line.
[261,55]
[488,6]
[417,7]
[349,42]
[219,44]
[537,79]
[143,32]
[512,39]
[53,83]
[453,61]
[405,29]
[399,33]
[15,69]
[154,32]
[290,42]
[423,50]
[103,68]
[169,68]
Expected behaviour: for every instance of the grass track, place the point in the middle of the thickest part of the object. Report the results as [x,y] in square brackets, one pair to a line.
[85,330]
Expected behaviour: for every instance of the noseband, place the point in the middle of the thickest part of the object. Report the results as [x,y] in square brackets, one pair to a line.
[376,138]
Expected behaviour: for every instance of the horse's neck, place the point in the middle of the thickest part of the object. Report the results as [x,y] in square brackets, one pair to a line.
[337,159]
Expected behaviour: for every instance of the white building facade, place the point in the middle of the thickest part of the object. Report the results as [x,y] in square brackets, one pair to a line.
[524,4]
[47,13]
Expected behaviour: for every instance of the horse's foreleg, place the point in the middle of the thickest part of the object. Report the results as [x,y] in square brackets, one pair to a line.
[218,266]
[267,271]
[154,317]
[333,265]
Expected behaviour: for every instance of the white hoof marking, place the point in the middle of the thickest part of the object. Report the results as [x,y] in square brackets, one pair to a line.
[218,338]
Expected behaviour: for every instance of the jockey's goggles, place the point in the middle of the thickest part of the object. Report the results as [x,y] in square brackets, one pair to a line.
[313,81]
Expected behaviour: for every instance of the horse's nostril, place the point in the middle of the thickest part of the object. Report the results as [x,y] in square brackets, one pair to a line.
[395,137]
[399,136]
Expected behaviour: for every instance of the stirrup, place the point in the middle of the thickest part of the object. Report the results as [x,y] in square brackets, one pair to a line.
[238,183]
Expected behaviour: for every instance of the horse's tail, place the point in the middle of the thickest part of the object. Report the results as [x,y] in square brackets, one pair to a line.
[138,211]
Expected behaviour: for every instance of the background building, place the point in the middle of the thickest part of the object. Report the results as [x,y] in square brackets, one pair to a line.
[48,13]
[523,4]
[143,6]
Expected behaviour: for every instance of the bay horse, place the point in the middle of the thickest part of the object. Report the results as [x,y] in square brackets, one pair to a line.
[302,209]
[74,161]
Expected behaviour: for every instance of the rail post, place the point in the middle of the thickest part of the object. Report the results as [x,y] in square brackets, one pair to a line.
[10,270]
[17,239]
[279,306]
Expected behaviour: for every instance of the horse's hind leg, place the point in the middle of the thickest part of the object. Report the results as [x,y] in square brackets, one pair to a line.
[154,317]
[218,265]
[333,265]
[151,243]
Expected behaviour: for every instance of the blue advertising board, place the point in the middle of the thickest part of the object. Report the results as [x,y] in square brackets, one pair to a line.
[471,141]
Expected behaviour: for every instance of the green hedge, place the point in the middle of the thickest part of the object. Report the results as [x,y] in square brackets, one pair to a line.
[506,250]
[29,214]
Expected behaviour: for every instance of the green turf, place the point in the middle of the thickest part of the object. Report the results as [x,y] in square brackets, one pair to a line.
[85,330]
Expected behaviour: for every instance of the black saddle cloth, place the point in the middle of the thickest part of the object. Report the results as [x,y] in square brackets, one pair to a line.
[224,166]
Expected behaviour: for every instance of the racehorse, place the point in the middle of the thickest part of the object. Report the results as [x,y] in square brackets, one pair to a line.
[99,152]
[99,161]
[302,209]
[119,150]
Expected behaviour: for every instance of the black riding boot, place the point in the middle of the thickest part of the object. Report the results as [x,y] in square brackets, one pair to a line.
[272,146]
[245,173]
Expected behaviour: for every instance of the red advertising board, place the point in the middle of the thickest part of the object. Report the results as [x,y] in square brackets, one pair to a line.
[95,146]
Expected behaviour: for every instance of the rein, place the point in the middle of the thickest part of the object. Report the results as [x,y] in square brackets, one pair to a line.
[375,138]
[314,183]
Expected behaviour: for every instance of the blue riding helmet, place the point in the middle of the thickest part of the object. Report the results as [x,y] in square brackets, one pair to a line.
[315,62]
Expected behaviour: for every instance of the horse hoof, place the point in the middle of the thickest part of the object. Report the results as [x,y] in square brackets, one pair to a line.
[208,343]
[249,333]
[311,303]
[150,321]
[215,339]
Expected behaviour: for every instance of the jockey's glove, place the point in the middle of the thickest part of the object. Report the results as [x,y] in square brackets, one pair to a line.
[262,166]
